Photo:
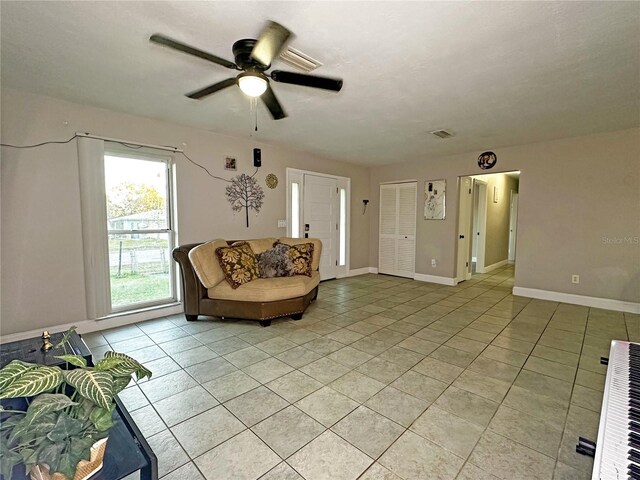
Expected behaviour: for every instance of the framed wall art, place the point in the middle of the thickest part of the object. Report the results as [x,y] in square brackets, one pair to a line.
[230,163]
[435,196]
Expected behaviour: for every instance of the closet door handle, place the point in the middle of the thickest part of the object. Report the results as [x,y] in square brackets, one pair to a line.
[461,236]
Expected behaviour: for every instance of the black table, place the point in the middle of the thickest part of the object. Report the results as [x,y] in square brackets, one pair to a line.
[127,450]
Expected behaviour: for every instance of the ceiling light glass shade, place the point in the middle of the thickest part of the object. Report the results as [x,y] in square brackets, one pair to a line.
[252,85]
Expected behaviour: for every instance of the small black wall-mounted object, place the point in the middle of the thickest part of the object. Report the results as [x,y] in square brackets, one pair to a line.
[257,157]
[487,160]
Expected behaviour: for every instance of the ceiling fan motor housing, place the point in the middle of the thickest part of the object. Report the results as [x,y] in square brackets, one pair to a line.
[242,52]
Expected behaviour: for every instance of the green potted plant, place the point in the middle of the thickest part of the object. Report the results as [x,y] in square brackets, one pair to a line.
[62,434]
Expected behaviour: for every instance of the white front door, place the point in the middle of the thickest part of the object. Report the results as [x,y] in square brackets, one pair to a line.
[464,227]
[321,217]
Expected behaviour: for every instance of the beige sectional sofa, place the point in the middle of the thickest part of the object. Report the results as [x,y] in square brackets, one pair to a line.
[206,292]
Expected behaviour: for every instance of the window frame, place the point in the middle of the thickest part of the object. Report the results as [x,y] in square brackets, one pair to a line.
[115,150]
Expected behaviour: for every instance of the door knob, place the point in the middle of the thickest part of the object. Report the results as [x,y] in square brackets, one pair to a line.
[461,236]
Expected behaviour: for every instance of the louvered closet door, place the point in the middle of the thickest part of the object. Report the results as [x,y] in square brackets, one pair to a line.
[388,228]
[397,229]
[406,256]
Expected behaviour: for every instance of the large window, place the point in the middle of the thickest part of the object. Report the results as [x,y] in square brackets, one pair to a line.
[139,230]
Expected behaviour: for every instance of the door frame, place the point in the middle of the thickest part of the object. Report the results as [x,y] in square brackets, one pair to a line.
[466,275]
[513,226]
[295,175]
[480,237]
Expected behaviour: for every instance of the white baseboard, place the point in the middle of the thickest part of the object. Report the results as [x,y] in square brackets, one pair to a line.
[434,279]
[490,268]
[359,271]
[596,302]
[373,270]
[87,326]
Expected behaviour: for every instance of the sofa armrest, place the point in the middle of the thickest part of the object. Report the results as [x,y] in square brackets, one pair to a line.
[192,290]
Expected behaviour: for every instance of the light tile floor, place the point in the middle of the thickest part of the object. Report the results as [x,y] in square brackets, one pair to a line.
[383,378]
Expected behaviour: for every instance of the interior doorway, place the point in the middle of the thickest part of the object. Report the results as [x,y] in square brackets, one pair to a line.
[478,234]
[487,223]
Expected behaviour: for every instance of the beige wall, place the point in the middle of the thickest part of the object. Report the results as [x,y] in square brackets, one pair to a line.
[578,199]
[42,263]
[497,240]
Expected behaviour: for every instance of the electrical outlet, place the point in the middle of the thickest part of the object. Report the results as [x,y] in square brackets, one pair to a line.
[434,262]
[575,278]
[282,224]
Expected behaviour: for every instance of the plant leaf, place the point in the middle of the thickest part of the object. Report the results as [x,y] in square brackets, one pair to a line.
[80,448]
[120,365]
[28,455]
[67,465]
[65,427]
[102,418]
[10,422]
[46,403]
[44,425]
[84,409]
[75,360]
[33,381]
[96,386]
[120,383]
[13,370]
[8,460]
[65,337]
[49,453]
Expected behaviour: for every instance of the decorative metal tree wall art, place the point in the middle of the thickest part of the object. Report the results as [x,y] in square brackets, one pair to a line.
[244,192]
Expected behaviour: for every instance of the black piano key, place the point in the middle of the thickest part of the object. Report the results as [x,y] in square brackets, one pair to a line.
[634,455]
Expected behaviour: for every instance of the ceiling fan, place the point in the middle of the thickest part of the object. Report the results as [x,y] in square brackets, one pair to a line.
[253,57]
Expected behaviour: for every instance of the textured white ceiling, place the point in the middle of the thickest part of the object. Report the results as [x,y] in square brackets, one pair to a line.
[494,73]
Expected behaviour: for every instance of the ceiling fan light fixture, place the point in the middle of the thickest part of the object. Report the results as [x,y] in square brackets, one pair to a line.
[252,84]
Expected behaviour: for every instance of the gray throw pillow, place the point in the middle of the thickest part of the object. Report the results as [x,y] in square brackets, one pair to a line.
[275,262]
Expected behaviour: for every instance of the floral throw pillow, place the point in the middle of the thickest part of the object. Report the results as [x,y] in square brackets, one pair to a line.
[238,264]
[275,262]
[301,256]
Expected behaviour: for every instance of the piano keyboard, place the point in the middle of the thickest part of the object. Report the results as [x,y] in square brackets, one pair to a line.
[618,446]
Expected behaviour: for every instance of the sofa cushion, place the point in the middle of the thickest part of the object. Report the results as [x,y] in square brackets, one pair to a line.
[301,256]
[259,245]
[275,262]
[238,264]
[205,263]
[317,248]
[266,289]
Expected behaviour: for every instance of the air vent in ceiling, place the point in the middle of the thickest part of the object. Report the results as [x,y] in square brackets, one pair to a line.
[442,133]
[299,60]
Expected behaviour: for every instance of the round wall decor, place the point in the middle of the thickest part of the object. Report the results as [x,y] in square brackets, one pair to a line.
[272,181]
[487,160]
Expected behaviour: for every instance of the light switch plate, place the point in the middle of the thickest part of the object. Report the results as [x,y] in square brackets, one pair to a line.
[282,224]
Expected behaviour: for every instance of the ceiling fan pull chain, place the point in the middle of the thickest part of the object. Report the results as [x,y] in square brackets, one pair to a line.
[254,102]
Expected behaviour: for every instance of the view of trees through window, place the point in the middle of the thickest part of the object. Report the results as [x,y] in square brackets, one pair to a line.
[139,231]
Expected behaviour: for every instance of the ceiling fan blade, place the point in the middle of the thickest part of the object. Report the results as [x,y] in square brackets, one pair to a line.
[326,83]
[271,42]
[168,42]
[272,103]
[203,92]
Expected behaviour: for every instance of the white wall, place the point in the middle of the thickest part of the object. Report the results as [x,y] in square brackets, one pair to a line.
[574,195]
[42,264]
